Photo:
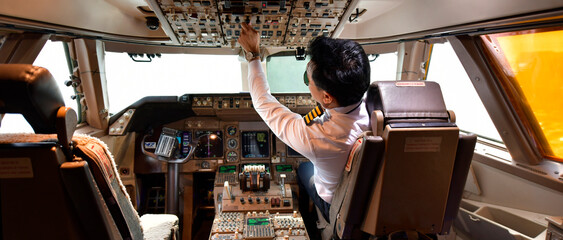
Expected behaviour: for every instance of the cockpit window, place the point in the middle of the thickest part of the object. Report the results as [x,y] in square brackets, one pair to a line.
[383,66]
[459,93]
[169,75]
[285,74]
[530,65]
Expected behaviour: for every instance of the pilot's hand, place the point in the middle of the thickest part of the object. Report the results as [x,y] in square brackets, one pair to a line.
[249,38]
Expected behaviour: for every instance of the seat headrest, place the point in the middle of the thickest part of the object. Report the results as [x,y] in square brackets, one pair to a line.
[407,100]
[32,92]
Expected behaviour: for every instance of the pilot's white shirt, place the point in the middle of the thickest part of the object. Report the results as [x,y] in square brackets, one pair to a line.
[326,143]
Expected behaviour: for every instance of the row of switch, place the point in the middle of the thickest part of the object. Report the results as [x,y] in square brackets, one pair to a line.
[250,200]
[275,202]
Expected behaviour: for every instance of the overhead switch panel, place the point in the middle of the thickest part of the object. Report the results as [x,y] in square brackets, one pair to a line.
[280,23]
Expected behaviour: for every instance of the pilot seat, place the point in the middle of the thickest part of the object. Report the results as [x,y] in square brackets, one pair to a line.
[57,185]
[405,178]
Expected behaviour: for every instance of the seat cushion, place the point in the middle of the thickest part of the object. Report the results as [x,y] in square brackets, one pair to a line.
[159,226]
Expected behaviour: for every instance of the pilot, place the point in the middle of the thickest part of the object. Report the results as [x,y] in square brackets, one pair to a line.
[337,75]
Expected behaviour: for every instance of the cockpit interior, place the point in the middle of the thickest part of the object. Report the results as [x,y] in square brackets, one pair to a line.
[132,119]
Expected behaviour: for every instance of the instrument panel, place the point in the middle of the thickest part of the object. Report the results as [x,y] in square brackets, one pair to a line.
[242,137]
[255,172]
[237,143]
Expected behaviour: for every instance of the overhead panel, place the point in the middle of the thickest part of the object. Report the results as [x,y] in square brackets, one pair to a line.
[281,23]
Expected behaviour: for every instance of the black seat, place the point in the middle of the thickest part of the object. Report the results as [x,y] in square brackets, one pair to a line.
[408,174]
[54,185]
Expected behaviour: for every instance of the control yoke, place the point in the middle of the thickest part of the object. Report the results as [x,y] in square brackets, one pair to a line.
[168,148]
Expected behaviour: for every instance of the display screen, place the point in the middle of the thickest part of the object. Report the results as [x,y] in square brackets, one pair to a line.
[209,144]
[255,144]
[228,169]
[284,168]
[184,139]
[258,221]
[293,153]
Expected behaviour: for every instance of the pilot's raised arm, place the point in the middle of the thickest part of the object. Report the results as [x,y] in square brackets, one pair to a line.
[337,76]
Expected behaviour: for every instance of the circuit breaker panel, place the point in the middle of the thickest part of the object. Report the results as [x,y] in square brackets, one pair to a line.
[281,23]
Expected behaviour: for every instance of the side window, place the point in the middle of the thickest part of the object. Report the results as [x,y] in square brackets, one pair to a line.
[459,93]
[529,65]
[52,57]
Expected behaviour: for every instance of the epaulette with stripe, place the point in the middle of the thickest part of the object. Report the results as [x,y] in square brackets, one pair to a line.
[317,111]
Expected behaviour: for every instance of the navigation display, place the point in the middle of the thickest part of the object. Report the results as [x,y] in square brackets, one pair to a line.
[209,144]
[255,144]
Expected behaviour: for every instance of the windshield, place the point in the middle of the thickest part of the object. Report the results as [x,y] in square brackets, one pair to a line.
[169,75]
[285,74]
[178,74]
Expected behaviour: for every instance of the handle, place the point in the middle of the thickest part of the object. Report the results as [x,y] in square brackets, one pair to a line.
[474,219]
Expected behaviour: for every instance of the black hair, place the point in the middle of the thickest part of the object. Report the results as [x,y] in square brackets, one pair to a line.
[341,68]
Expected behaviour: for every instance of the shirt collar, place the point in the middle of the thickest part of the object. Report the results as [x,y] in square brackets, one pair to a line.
[347,109]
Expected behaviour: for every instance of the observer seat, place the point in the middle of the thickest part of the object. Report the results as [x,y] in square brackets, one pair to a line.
[54,185]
